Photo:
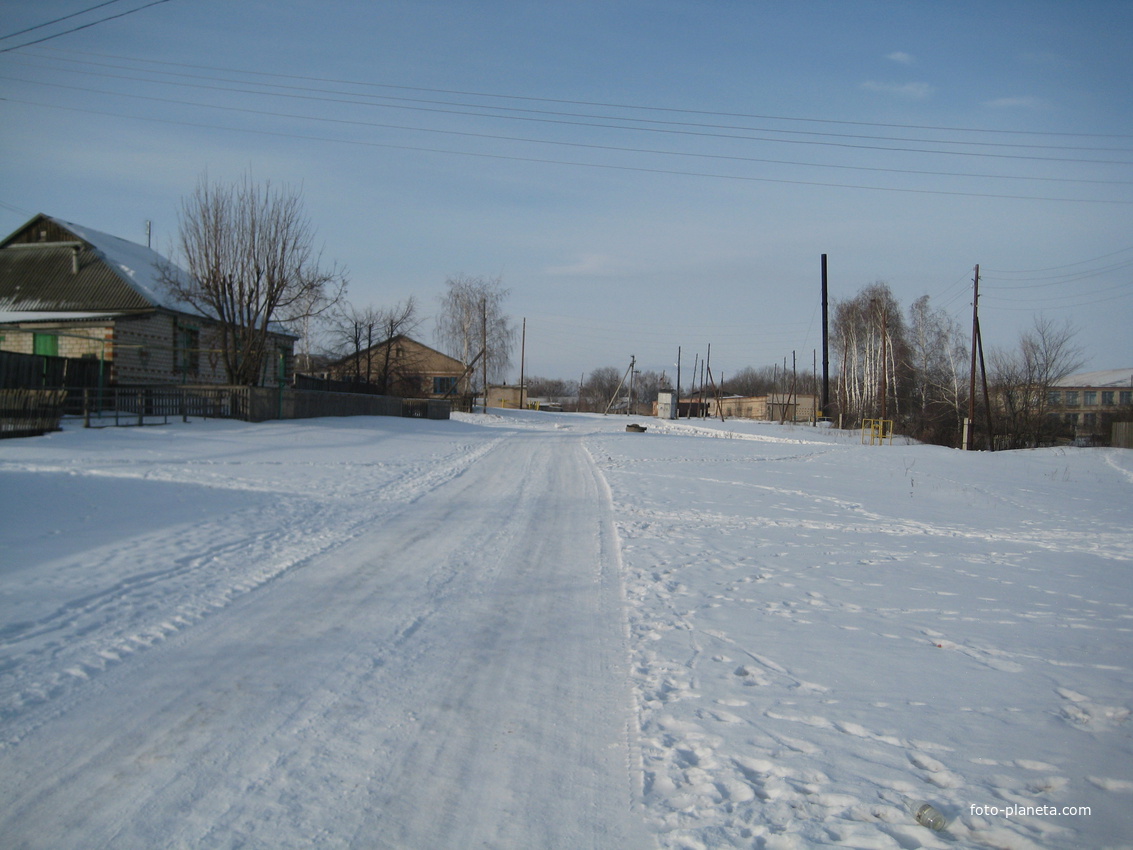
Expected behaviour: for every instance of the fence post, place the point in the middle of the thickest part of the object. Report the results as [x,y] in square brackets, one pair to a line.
[86,407]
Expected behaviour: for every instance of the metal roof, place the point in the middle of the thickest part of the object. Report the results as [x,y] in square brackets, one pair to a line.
[79,269]
[43,277]
[1104,378]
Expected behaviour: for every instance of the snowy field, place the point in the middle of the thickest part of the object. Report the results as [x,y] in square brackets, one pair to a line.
[539,631]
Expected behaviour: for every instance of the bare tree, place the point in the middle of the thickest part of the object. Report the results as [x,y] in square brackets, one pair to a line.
[472,319]
[364,337]
[1023,381]
[749,381]
[936,357]
[249,254]
[599,388]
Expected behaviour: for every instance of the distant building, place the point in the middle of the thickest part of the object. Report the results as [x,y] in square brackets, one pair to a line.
[777,407]
[401,366]
[72,292]
[1087,403]
[507,396]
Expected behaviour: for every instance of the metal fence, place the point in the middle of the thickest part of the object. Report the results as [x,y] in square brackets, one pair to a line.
[38,371]
[29,413]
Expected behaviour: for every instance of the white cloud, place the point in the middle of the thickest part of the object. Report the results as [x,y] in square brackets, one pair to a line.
[901,57]
[1017,103]
[913,91]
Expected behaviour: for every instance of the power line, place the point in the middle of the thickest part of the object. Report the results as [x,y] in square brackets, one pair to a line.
[1067,266]
[83,26]
[585,145]
[575,163]
[59,20]
[609,105]
[627,122]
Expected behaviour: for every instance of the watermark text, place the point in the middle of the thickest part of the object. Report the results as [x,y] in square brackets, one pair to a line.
[1015,811]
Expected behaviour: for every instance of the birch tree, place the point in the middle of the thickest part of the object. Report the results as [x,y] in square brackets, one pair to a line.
[869,339]
[472,318]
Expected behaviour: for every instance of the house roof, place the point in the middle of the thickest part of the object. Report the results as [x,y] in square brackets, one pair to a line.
[1104,378]
[398,337]
[53,266]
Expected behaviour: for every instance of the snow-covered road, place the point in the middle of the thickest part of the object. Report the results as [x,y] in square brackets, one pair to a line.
[528,630]
[453,676]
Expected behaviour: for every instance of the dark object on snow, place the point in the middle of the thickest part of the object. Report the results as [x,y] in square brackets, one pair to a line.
[634,428]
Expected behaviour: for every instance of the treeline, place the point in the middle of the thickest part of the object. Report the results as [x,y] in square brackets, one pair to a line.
[912,366]
[916,368]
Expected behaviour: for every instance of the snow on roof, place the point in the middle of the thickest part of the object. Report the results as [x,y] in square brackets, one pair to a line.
[11,316]
[139,266]
[1104,378]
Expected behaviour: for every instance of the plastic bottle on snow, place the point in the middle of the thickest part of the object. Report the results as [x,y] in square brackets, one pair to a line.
[926,814]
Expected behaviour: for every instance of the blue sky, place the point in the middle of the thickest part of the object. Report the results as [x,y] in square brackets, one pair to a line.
[642,175]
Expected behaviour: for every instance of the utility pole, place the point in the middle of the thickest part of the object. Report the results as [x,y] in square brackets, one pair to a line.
[484,339]
[969,443]
[522,356]
[825,344]
[708,367]
[884,356]
[632,376]
[678,398]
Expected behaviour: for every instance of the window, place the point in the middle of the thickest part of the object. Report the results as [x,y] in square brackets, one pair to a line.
[188,351]
[46,344]
[1090,420]
[1071,398]
[443,384]
[1054,397]
[1090,398]
[1107,398]
[1126,396]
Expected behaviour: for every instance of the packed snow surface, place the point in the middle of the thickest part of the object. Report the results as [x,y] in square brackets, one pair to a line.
[532,630]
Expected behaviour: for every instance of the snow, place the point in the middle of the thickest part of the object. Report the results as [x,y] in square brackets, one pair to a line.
[531,630]
[1105,378]
[138,265]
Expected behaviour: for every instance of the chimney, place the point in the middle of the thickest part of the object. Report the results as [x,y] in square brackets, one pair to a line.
[74,259]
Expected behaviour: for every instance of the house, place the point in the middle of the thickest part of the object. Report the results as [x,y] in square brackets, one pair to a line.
[777,407]
[402,366]
[1088,402]
[72,292]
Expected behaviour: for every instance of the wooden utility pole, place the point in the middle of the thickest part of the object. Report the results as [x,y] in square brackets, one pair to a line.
[825,345]
[484,340]
[708,367]
[969,443]
[522,356]
[678,389]
[987,398]
[621,383]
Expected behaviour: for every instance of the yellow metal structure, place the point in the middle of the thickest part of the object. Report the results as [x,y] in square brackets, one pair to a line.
[879,430]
